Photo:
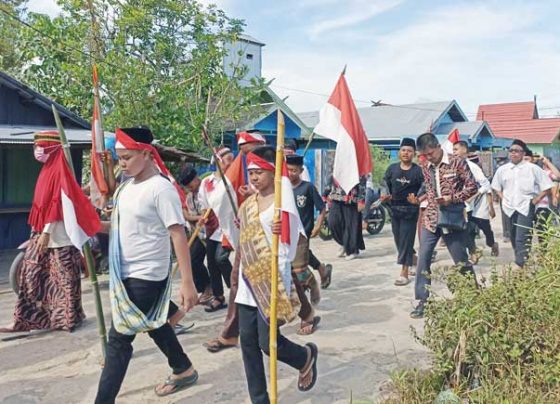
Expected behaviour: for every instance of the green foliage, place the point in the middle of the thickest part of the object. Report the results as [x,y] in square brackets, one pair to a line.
[381,160]
[159,63]
[499,343]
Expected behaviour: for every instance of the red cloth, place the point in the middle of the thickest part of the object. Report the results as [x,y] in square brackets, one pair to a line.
[254,161]
[253,137]
[54,179]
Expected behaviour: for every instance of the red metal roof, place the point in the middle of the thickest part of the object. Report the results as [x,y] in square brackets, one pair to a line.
[519,120]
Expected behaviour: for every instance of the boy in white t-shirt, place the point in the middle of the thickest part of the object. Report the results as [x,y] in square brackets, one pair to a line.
[149,219]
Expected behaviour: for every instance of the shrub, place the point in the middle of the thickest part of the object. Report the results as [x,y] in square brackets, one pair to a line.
[499,343]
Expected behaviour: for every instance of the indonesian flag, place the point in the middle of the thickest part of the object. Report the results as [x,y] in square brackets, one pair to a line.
[339,121]
[98,185]
[453,138]
[291,222]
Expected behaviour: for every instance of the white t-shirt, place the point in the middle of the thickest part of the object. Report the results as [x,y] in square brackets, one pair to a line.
[244,295]
[146,211]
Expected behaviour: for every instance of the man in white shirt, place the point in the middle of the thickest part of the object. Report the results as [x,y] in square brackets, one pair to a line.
[520,185]
[480,207]
[147,218]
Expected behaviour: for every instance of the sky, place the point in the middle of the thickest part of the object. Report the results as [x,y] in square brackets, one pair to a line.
[404,51]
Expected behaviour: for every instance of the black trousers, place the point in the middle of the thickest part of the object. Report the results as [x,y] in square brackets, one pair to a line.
[521,234]
[218,266]
[314,261]
[255,335]
[482,224]
[541,222]
[345,223]
[404,233]
[143,294]
[200,272]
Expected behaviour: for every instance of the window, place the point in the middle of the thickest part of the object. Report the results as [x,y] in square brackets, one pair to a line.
[249,56]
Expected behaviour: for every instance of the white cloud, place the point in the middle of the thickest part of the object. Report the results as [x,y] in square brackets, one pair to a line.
[351,13]
[475,53]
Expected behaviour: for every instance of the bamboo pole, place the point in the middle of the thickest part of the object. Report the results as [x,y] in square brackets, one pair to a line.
[274,267]
[86,248]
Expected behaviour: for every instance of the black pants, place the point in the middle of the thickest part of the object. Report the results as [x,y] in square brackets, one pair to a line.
[143,294]
[482,224]
[345,223]
[506,224]
[521,234]
[218,266]
[313,261]
[200,272]
[404,233]
[255,336]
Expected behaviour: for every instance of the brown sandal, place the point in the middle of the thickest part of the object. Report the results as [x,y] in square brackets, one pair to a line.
[311,366]
[309,327]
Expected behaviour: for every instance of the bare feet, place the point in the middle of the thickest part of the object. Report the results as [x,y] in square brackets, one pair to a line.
[175,318]
[220,343]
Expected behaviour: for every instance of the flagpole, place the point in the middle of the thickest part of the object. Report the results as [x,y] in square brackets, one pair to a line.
[274,267]
[86,248]
[208,142]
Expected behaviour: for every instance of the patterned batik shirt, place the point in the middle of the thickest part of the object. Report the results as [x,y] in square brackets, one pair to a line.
[356,195]
[451,177]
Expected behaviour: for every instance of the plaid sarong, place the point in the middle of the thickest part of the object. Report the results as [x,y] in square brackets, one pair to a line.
[127,318]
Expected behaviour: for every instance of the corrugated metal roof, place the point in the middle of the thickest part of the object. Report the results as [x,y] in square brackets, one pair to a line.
[396,121]
[24,134]
[519,120]
[470,129]
[507,111]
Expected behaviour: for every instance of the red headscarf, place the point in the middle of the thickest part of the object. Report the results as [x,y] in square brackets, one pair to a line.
[257,162]
[125,141]
[55,179]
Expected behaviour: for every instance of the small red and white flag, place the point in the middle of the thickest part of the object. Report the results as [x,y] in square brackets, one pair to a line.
[452,138]
[98,185]
[339,121]
[291,222]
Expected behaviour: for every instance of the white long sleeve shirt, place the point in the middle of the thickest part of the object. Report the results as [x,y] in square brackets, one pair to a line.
[480,209]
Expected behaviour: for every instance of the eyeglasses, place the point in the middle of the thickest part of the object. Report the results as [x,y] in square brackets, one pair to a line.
[516,150]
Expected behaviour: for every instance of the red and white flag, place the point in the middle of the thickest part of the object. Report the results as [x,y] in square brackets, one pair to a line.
[452,138]
[98,186]
[339,121]
[291,222]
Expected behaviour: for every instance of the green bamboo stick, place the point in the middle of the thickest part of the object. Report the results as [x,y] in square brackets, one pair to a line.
[86,248]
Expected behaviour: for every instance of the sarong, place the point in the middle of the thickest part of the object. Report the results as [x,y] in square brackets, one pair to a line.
[127,318]
[50,294]
[256,260]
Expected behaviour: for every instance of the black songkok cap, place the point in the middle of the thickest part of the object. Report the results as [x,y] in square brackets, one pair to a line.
[294,160]
[186,175]
[522,144]
[141,135]
[408,142]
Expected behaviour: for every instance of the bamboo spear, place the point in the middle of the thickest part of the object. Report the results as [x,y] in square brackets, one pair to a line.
[192,238]
[86,248]
[274,267]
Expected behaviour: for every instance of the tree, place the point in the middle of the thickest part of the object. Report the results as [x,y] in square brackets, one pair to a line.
[159,63]
[9,28]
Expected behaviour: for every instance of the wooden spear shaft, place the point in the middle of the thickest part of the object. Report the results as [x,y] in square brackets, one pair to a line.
[86,248]
[192,238]
[274,265]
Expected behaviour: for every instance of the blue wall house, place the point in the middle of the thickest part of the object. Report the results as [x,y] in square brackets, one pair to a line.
[23,112]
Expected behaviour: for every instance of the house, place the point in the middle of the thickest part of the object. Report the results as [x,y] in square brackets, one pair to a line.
[520,120]
[23,112]
[386,125]
[245,52]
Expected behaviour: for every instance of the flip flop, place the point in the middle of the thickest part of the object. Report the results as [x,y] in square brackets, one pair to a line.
[327,282]
[305,324]
[179,384]
[402,281]
[181,329]
[211,308]
[216,345]
[312,368]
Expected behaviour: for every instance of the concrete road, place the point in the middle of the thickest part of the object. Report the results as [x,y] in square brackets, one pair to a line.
[363,336]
